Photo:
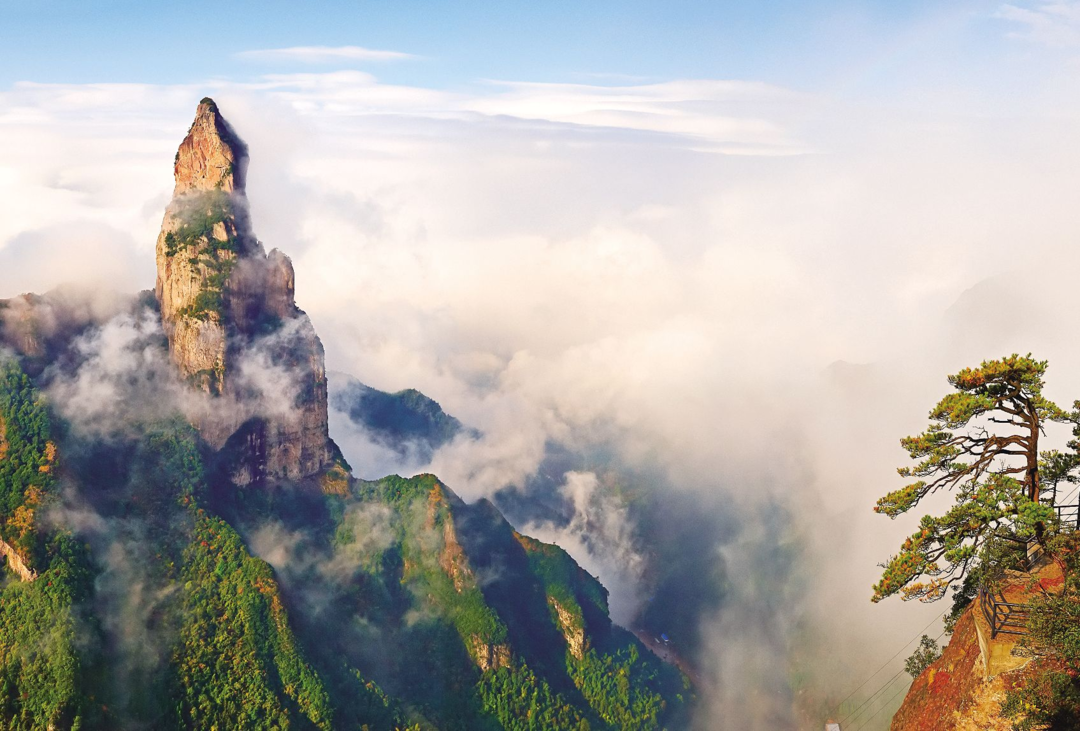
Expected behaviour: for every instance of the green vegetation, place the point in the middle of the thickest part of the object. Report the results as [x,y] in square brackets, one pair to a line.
[414,604]
[925,654]
[628,688]
[195,236]
[436,537]
[564,581]
[403,494]
[27,460]
[238,664]
[42,675]
[1049,696]
[41,668]
[423,503]
[996,477]
[522,702]
[200,214]
[405,417]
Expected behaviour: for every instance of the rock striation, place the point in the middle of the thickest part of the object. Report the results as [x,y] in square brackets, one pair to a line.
[229,313]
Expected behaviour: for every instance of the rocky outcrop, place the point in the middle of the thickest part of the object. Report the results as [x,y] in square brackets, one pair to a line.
[953,692]
[572,627]
[445,510]
[233,326]
[452,559]
[487,656]
[964,689]
[21,325]
[15,562]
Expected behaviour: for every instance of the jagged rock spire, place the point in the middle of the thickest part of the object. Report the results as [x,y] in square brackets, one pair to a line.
[225,303]
[211,157]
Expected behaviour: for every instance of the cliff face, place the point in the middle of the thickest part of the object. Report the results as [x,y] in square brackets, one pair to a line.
[954,693]
[964,689]
[229,313]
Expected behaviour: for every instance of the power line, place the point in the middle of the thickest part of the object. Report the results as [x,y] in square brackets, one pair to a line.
[867,703]
[888,682]
[841,704]
[1070,496]
[879,710]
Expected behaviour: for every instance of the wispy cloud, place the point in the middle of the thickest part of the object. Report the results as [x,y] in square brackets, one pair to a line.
[713,115]
[1055,24]
[322,54]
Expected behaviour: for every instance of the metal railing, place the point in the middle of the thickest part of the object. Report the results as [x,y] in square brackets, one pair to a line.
[1011,618]
[1068,516]
[1002,616]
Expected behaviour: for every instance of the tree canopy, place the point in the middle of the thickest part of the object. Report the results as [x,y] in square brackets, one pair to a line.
[983,444]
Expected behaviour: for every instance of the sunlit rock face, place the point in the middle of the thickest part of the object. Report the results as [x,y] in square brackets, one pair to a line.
[228,309]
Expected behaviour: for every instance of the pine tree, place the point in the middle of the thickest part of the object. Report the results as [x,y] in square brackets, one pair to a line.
[983,444]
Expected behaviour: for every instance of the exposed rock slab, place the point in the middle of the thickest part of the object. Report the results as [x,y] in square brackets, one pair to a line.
[16,563]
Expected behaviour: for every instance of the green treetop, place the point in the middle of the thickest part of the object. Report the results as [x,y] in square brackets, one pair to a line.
[983,444]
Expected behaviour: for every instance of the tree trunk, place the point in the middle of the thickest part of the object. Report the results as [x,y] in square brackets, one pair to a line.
[1033,465]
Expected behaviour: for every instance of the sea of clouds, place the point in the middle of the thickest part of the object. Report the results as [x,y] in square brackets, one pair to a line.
[748,291]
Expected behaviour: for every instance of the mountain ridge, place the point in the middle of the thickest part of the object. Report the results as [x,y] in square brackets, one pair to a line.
[214,563]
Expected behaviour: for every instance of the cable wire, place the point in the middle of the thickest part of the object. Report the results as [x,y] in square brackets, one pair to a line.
[887,662]
[864,704]
[879,710]
[867,704]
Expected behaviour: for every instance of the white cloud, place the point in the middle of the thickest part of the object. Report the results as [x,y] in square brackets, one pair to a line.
[90,253]
[90,155]
[600,538]
[1055,24]
[704,110]
[322,54]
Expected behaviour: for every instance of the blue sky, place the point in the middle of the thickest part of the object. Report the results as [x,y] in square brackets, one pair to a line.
[816,46]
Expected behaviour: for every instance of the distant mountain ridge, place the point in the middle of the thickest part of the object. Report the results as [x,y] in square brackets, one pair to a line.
[396,420]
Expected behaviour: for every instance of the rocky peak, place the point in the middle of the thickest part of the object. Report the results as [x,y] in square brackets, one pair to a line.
[211,157]
[225,304]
